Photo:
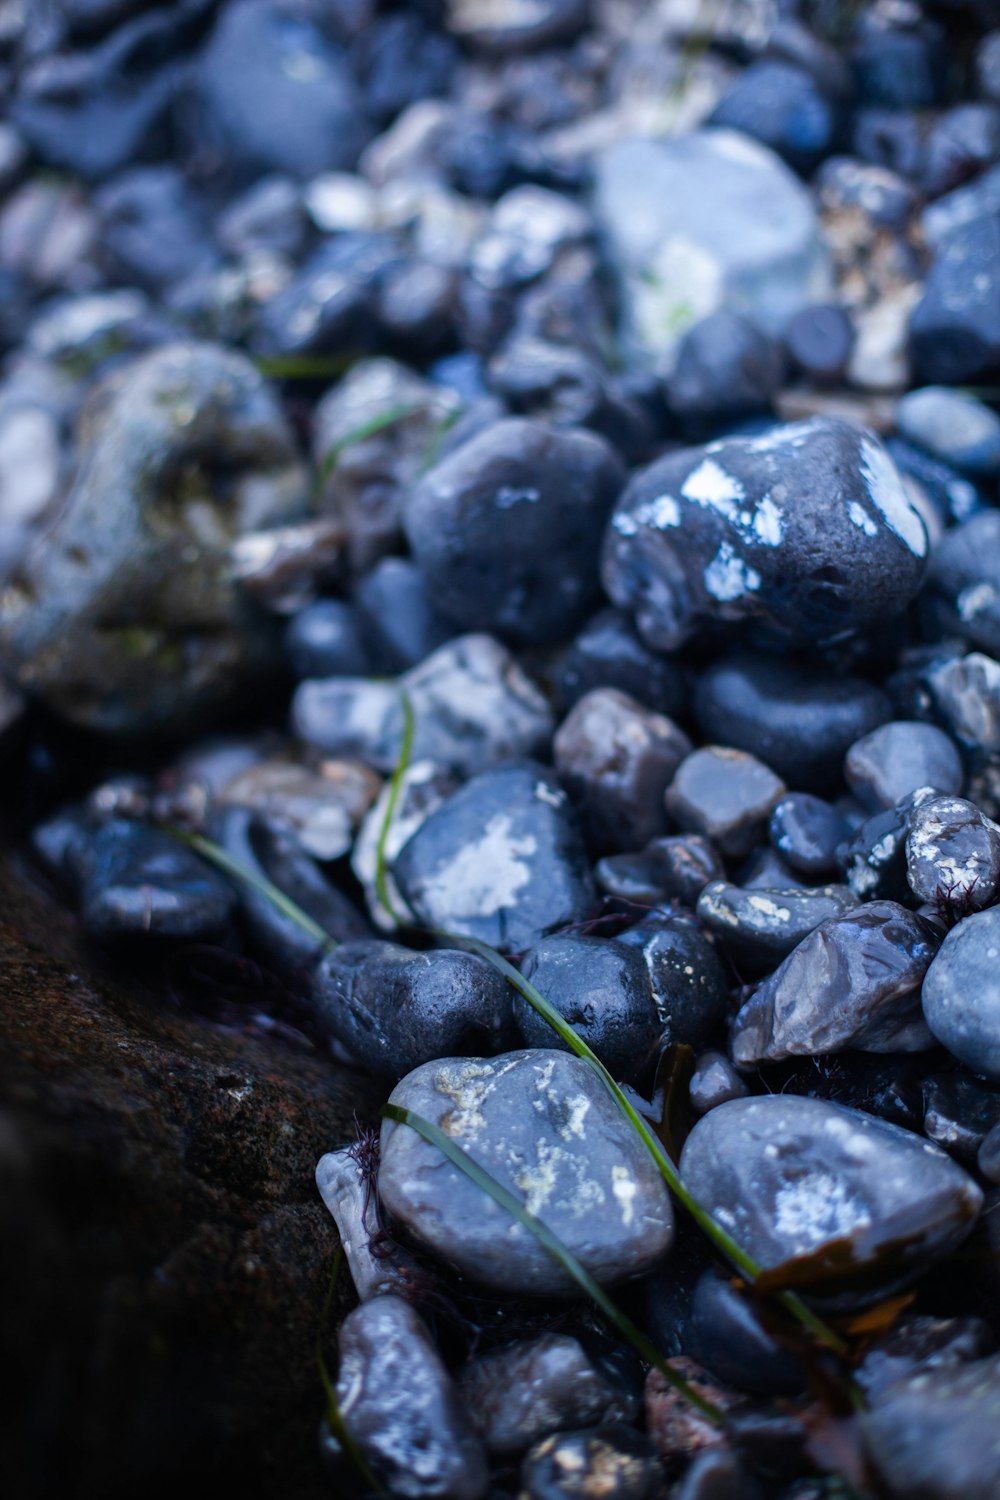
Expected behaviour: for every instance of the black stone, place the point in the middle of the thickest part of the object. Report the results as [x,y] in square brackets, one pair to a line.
[806,831]
[726,367]
[713,1081]
[873,859]
[728,1338]
[965,572]
[933,1435]
[138,882]
[608,653]
[690,990]
[326,639]
[676,868]
[780,104]
[953,854]
[758,927]
[955,329]
[959,1112]
[153,229]
[402,624]
[818,341]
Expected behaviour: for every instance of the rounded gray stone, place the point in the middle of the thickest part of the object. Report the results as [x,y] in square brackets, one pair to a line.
[961,994]
[542,1124]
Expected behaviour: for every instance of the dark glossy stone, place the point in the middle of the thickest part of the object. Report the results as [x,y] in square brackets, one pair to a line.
[543,1124]
[726,367]
[725,794]
[326,639]
[780,105]
[328,305]
[602,988]
[959,1113]
[853,982]
[608,653]
[394,1009]
[269,217]
[601,1463]
[501,860]
[807,527]
[275,95]
[988,1155]
[897,759]
[918,1342]
[965,572]
[953,854]
[138,882]
[874,857]
[961,996]
[806,831]
[818,341]
[797,717]
[867,1202]
[955,328]
[506,530]
[472,705]
[522,1392]
[402,624]
[758,927]
[728,1338]
[154,230]
[690,990]
[932,1436]
[616,760]
[401,1407]
[713,1081]
[676,868]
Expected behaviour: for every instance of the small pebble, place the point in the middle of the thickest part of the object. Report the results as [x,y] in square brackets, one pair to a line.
[961,994]
[602,1463]
[895,760]
[727,795]
[953,854]
[806,831]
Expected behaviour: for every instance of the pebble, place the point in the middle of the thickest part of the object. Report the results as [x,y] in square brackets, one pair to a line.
[988,1155]
[326,639]
[602,988]
[616,760]
[895,760]
[423,787]
[853,982]
[808,527]
[758,928]
[682,254]
[866,1201]
[729,1339]
[917,1342]
[780,105]
[953,426]
[953,854]
[140,883]
[402,1408]
[955,328]
[726,367]
[965,572]
[520,1393]
[676,868]
[113,619]
[506,529]
[347,1192]
[393,1008]
[713,1081]
[607,652]
[472,706]
[545,1127]
[601,1463]
[690,990]
[800,719]
[728,795]
[400,621]
[501,860]
[933,1434]
[961,995]
[966,692]
[806,832]
[959,1112]
[324,808]
[819,341]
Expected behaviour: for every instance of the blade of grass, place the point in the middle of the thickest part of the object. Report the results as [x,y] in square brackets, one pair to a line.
[304,366]
[395,787]
[560,1253]
[334,1416]
[359,434]
[235,868]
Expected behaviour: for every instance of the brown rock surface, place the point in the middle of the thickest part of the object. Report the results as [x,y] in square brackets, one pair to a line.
[163,1252]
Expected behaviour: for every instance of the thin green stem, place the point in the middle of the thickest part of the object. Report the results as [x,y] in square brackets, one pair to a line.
[560,1252]
[359,434]
[392,801]
[334,1415]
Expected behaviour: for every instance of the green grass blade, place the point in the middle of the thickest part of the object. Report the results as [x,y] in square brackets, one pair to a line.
[359,434]
[235,868]
[646,1350]
[333,1413]
[392,801]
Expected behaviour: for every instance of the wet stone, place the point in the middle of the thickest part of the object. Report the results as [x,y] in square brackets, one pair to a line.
[759,928]
[725,794]
[401,1407]
[326,639]
[472,705]
[920,1342]
[955,329]
[966,692]
[506,529]
[323,807]
[616,759]
[138,882]
[542,1124]
[819,341]
[393,1008]
[728,1338]
[988,1155]
[796,716]
[961,995]
[806,832]
[602,988]
[865,1200]
[933,1435]
[874,857]
[348,1193]
[952,425]
[726,367]
[675,868]
[423,787]
[808,527]
[965,573]
[959,1113]
[953,854]
[853,982]
[897,759]
[713,1081]
[608,653]
[521,1393]
[501,860]
[690,989]
[601,1463]
[401,623]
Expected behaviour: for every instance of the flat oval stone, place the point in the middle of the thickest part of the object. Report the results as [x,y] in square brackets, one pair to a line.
[542,1124]
[761,927]
[790,1176]
[961,995]
[853,982]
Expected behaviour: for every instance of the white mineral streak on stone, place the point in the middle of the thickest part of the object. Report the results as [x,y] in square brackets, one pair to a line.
[890,498]
[659,513]
[509,495]
[573,1126]
[770,908]
[710,485]
[768,523]
[469,1086]
[552,795]
[815,1208]
[624,1188]
[728,577]
[975,599]
[860,518]
[485,875]
[625,525]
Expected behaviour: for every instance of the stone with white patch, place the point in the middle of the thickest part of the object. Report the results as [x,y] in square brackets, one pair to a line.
[759,928]
[961,995]
[853,982]
[501,860]
[544,1126]
[964,577]
[808,527]
[870,1203]
[953,854]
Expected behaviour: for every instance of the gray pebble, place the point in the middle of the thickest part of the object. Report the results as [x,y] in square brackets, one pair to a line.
[761,927]
[934,1436]
[961,995]
[953,854]
[727,795]
[897,759]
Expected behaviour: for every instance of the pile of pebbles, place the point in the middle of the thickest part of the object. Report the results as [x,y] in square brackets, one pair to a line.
[608,386]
